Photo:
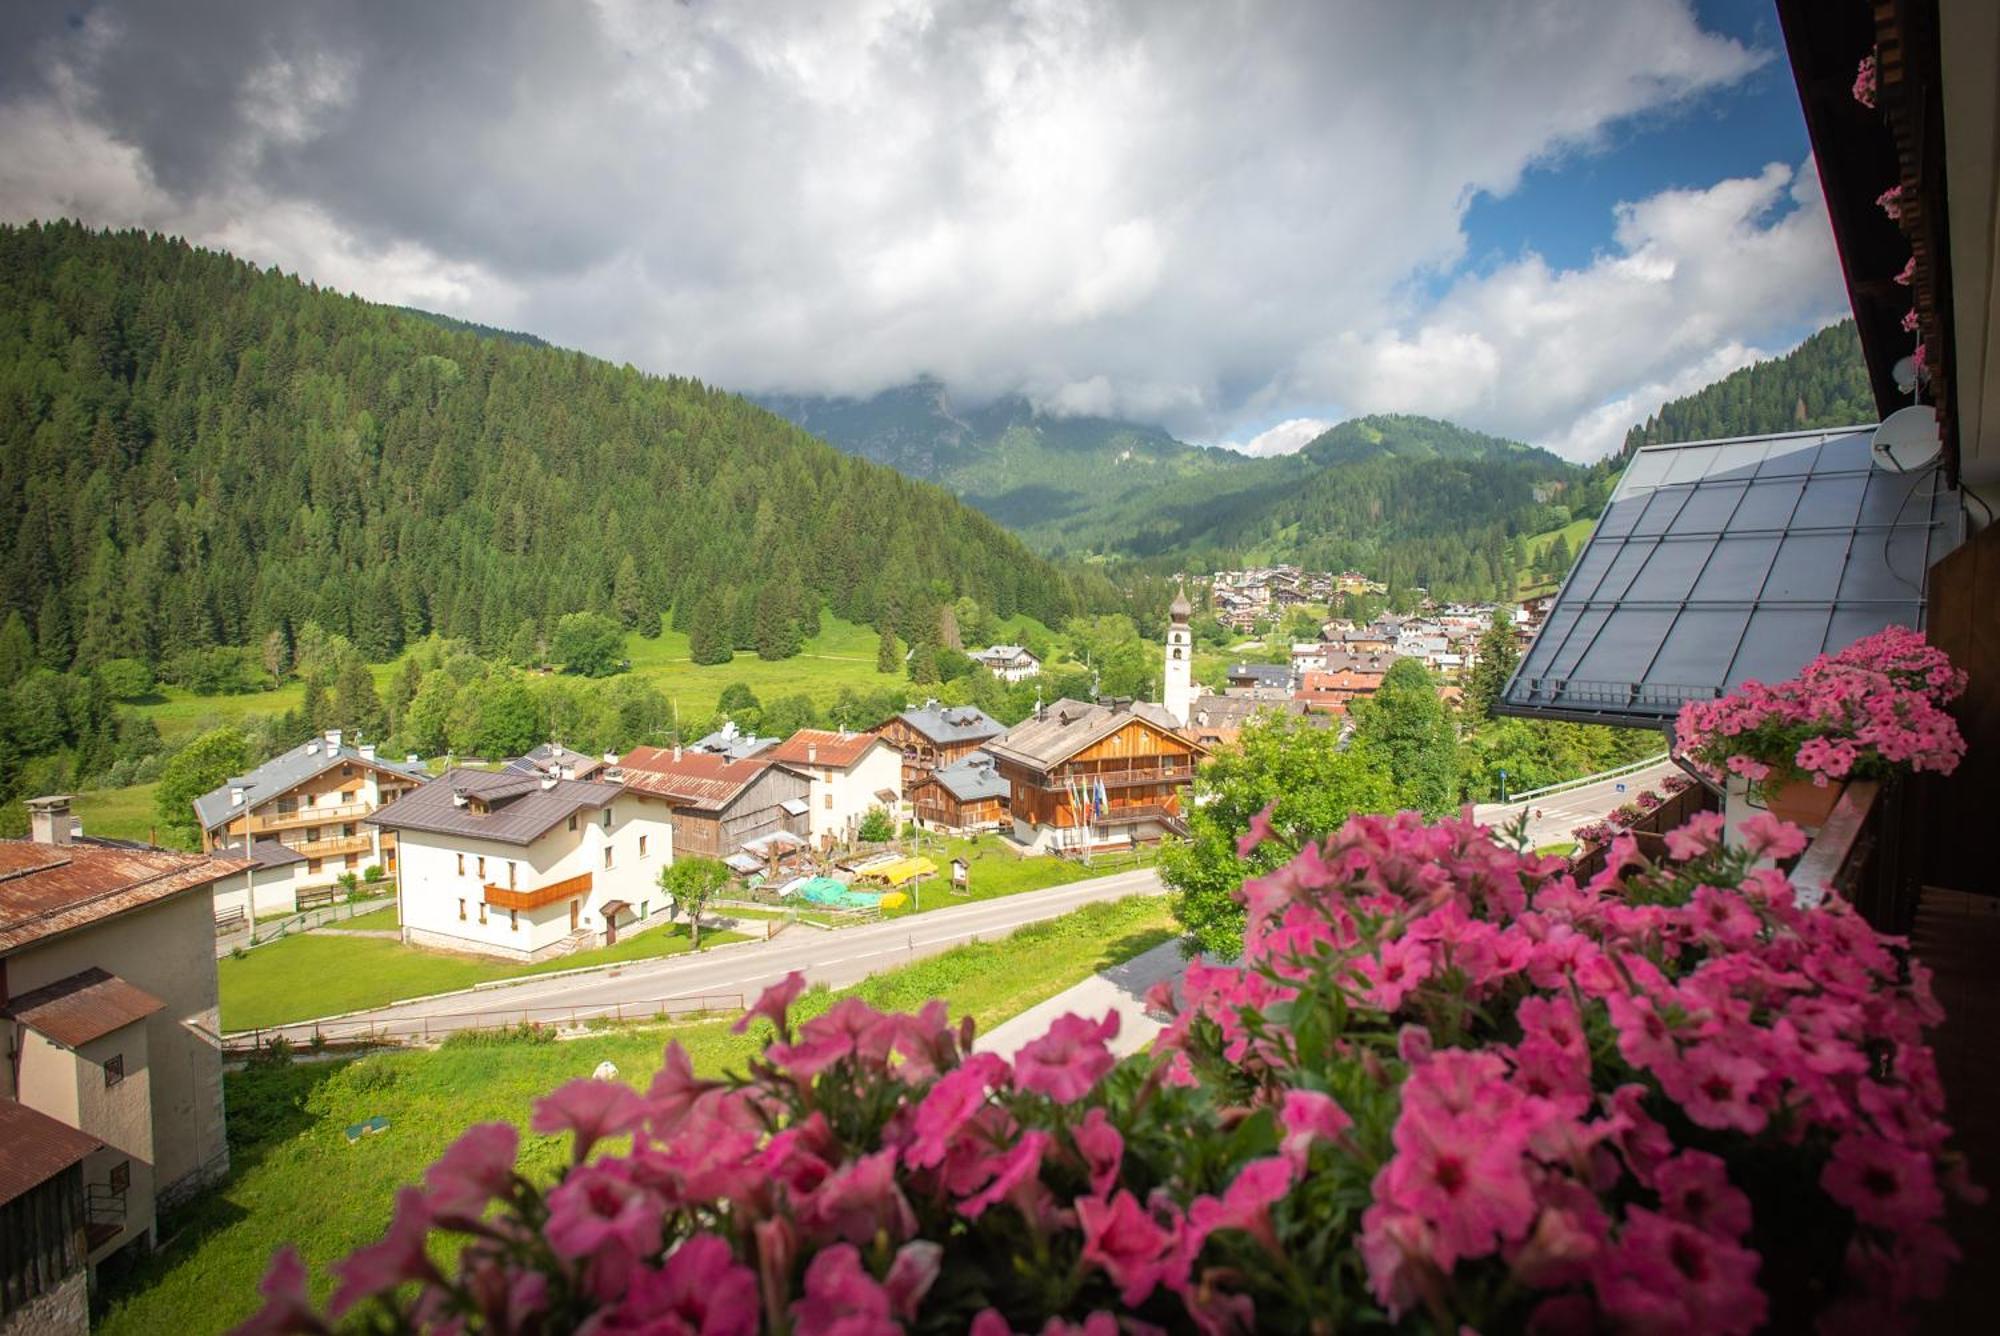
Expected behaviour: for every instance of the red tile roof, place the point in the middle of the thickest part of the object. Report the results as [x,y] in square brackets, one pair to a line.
[820,746]
[693,779]
[38,1148]
[47,889]
[83,1007]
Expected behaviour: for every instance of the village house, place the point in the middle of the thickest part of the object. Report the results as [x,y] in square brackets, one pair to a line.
[968,795]
[1261,676]
[936,735]
[44,1237]
[1308,656]
[720,804]
[527,867]
[1009,663]
[1218,720]
[1083,775]
[552,758]
[108,1002]
[312,802]
[734,743]
[849,774]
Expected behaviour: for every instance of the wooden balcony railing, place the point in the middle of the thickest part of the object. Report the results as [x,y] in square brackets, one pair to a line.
[1865,852]
[307,816]
[502,898]
[334,845]
[1176,773]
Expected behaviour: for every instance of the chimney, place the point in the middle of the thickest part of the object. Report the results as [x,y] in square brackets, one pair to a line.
[611,758]
[49,819]
[312,748]
[333,739]
[549,782]
[236,795]
[677,752]
[812,753]
[411,758]
[367,751]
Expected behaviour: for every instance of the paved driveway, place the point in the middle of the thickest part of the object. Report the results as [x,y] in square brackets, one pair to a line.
[1560,813]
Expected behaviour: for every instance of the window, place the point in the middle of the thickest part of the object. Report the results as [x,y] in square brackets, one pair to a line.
[513,920]
[312,867]
[461,865]
[461,909]
[607,818]
[607,855]
[642,907]
[642,846]
[349,795]
[829,800]
[510,874]
[482,912]
[346,772]
[121,1176]
[353,860]
[312,833]
[114,1070]
[482,867]
[572,820]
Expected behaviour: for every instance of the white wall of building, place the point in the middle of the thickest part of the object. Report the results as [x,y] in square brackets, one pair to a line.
[841,798]
[274,889]
[442,894]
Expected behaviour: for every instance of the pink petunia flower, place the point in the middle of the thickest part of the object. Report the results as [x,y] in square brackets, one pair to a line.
[1134,1250]
[1696,836]
[287,1308]
[842,1299]
[774,1005]
[1308,1116]
[1767,837]
[598,1208]
[1665,1275]
[859,1200]
[850,1029]
[1069,1060]
[675,1091]
[1694,1188]
[1245,1204]
[1102,1148]
[702,1290]
[1010,1170]
[1260,830]
[949,1106]
[1882,1183]
[399,1258]
[590,1109]
[477,1167]
[911,1275]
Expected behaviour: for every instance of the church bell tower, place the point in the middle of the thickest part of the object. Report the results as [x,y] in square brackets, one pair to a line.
[1180,659]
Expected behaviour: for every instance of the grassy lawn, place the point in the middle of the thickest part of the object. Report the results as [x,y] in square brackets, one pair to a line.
[994,872]
[1563,847]
[1535,544]
[841,655]
[295,1179]
[125,814]
[319,974]
[375,920]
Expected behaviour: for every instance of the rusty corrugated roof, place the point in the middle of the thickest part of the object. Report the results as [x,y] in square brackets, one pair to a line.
[693,779]
[83,1007]
[38,1148]
[822,746]
[47,889]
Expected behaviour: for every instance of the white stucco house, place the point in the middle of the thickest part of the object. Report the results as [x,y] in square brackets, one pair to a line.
[849,774]
[528,867]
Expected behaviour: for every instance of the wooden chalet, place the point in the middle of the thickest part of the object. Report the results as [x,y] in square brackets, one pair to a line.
[937,735]
[1082,775]
[967,795]
[720,803]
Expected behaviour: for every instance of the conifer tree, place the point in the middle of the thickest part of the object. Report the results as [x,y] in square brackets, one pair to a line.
[887,659]
[709,639]
[1498,653]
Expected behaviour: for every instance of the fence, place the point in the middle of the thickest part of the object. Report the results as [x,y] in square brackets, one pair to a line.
[398,1030]
[1649,828]
[270,930]
[1568,784]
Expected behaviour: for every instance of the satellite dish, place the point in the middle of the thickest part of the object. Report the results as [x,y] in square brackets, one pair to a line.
[1907,440]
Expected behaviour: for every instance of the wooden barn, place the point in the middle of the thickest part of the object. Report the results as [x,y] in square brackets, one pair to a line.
[1082,776]
[937,735]
[969,794]
[720,803]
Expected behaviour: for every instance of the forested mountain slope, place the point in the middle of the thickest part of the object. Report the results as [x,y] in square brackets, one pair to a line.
[1030,470]
[1821,383]
[194,451]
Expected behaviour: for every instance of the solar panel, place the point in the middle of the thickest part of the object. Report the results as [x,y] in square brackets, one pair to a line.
[1720,561]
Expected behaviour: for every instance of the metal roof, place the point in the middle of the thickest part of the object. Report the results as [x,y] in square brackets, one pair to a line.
[972,778]
[266,853]
[820,746]
[1065,728]
[953,723]
[49,889]
[519,810]
[285,772]
[38,1148]
[1716,562]
[702,780]
[83,1007]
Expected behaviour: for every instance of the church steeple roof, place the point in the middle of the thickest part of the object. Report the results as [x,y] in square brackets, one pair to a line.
[1180,609]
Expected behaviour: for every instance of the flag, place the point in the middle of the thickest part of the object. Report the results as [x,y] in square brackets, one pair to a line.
[1100,797]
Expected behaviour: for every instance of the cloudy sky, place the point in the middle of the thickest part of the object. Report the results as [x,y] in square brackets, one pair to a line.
[1238,220]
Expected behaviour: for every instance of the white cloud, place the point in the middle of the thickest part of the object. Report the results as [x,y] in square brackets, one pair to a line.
[1201,215]
[1288,437]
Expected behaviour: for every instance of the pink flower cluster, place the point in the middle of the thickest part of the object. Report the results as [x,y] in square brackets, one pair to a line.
[1445,1080]
[1864,81]
[1874,708]
[1618,1095]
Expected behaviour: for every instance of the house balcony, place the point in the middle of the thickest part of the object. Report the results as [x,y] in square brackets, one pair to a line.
[334,846]
[1177,772]
[307,816]
[502,897]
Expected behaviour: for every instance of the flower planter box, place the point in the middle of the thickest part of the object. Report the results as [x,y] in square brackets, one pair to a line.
[1802,802]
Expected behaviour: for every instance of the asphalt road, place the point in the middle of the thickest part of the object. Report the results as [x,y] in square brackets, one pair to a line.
[728,977]
[1563,812]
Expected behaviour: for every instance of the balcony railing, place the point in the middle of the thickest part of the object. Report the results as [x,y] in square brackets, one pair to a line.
[501,897]
[1178,773]
[334,845]
[1864,853]
[307,816]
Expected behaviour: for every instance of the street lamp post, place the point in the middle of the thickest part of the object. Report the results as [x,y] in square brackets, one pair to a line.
[1503,784]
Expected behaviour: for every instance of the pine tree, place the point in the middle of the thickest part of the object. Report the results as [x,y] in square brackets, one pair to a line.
[887,659]
[356,705]
[709,638]
[17,649]
[627,596]
[315,711]
[924,665]
[1498,654]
